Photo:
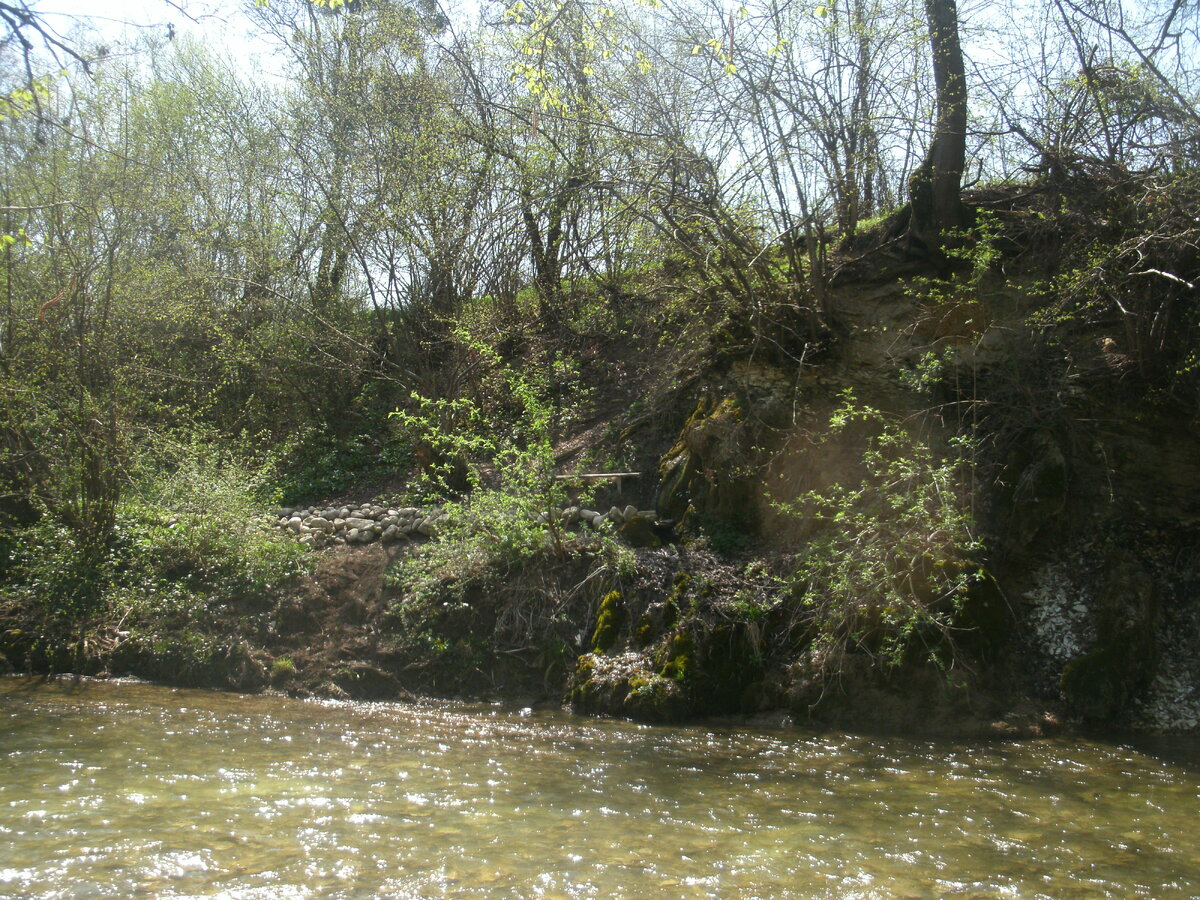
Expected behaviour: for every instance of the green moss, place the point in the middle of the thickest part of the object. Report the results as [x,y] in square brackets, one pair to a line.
[732,666]
[578,693]
[609,622]
[680,661]
[282,670]
[677,468]
[586,693]
[639,532]
[670,616]
[680,445]
[679,589]
[645,629]
[703,444]
[653,698]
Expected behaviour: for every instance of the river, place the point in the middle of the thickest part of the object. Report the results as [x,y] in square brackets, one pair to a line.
[128,790]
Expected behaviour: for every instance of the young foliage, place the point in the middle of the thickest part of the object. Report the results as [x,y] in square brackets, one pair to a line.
[511,508]
[889,558]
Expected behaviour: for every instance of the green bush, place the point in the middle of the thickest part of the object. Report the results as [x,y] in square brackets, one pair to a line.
[190,534]
[890,558]
[510,511]
[197,515]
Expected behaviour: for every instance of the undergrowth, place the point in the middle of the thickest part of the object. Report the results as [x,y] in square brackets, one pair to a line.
[889,558]
[189,548]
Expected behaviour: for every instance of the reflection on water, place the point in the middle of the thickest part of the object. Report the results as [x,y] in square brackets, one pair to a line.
[134,790]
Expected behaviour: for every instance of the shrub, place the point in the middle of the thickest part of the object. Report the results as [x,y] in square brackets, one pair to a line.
[189,534]
[317,463]
[196,515]
[511,509]
[889,560]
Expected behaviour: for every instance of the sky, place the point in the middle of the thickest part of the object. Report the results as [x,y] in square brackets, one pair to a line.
[124,22]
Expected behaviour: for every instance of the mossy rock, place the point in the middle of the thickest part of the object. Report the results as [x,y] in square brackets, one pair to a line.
[609,621]
[624,686]
[659,617]
[677,468]
[647,629]
[653,698]
[696,471]
[677,600]
[725,668]
[676,471]
[639,532]
[679,660]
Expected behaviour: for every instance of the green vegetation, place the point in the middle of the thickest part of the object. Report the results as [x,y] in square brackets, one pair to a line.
[679,662]
[609,622]
[889,558]
[456,265]
[190,563]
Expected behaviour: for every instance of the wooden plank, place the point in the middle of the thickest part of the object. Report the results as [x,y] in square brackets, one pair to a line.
[597,476]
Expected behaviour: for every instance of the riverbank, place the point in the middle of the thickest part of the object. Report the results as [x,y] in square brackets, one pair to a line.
[335,633]
[956,499]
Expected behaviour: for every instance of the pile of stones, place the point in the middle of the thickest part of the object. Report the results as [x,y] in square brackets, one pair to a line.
[319,527]
[366,523]
[616,516]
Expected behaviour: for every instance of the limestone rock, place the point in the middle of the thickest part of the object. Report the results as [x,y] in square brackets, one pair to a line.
[625,685]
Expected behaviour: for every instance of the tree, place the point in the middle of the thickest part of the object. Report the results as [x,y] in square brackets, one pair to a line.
[935,197]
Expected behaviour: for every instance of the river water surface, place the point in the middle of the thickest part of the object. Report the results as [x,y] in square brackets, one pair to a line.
[126,790]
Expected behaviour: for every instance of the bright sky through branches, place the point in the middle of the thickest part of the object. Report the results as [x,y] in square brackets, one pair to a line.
[222,24]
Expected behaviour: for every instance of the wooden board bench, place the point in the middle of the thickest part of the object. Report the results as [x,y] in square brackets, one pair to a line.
[616,477]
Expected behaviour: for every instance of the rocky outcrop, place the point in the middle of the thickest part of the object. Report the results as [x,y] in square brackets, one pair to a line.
[703,471]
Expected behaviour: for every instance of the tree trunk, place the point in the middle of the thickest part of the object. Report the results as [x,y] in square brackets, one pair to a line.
[935,187]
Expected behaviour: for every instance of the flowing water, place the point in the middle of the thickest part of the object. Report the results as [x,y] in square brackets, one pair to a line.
[126,790]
